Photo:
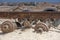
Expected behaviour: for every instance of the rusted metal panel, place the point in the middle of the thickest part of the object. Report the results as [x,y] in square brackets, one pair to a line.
[42,15]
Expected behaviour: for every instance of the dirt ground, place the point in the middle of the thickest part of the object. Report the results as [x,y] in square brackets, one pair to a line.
[28,34]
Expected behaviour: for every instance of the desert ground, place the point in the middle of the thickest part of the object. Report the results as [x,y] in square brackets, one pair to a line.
[29,34]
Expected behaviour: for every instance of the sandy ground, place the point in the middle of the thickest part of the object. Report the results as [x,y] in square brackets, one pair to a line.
[28,34]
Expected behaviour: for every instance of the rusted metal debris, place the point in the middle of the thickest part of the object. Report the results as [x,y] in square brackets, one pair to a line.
[30,16]
[8,26]
[41,27]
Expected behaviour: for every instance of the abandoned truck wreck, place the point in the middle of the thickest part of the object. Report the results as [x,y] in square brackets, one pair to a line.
[42,20]
[40,17]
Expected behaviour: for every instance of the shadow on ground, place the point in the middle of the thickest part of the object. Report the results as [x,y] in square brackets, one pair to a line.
[1,33]
[55,31]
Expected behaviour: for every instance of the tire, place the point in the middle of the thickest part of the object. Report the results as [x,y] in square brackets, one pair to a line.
[39,30]
[7,27]
[27,24]
[41,25]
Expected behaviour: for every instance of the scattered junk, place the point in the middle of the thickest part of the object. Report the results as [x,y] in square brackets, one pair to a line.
[26,24]
[40,27]
[8,26]
[40,21]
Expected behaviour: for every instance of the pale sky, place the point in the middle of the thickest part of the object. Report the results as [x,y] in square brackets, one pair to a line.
[29,0]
